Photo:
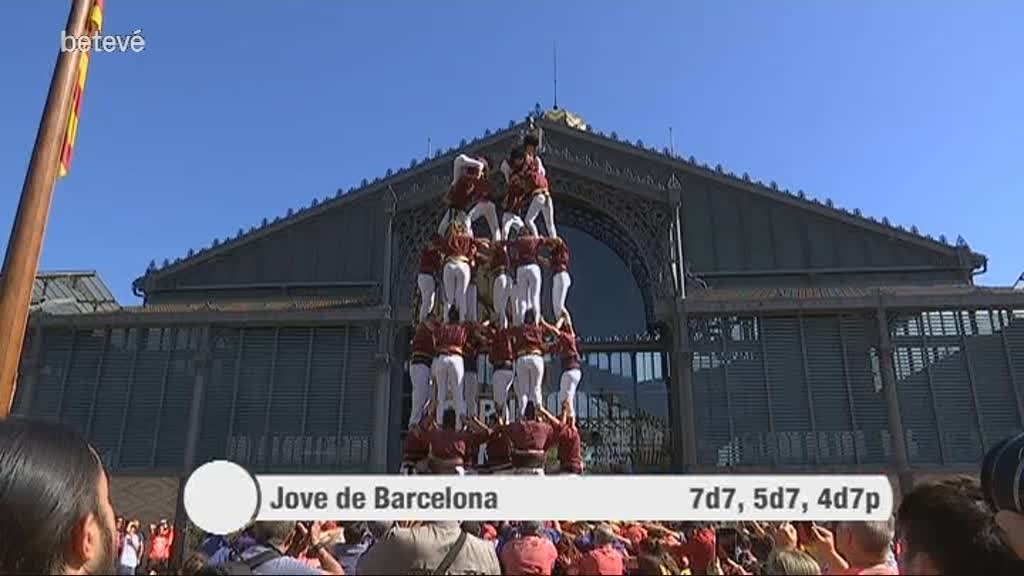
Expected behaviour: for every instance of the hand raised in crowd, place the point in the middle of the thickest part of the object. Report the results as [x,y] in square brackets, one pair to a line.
[784,536]
[821,545]
[1012,525]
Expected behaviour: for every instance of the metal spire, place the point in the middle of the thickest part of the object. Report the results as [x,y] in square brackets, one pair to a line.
[554,54]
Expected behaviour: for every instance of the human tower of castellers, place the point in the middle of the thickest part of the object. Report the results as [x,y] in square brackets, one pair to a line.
[445,432]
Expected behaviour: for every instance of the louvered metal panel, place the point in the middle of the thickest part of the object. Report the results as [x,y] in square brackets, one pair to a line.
[114,391]
[358,398]
[284,417]
[226,347]
[78,391]
[918,406]
[1011,323]
[749,404]
[328,379]
[710,409]
[786,369]
[176,400]
[140,420]
[872,440]
[998,411]
[954,398]
[58,347]
[826,376]
[252,398]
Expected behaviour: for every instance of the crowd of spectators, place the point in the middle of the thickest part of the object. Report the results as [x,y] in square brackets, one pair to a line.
[56,518]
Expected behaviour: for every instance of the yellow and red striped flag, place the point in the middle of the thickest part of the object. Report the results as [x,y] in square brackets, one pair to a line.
[92,27]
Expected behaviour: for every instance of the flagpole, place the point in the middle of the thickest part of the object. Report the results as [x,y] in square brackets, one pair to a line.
[22,259]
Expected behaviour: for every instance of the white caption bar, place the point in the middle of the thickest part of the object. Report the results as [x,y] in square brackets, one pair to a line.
[221,497]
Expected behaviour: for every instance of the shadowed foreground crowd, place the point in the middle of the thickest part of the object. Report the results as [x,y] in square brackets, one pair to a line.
[56,518]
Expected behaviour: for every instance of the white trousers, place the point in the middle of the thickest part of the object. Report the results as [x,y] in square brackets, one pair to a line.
[448,374]
[471,390]
[528,380]
[501,381]
[428,290]
[510,221]
[472,310]
[560,283]
[456,283]
[567,389]
[528,282]
[541,205]
[420,376]
[487,211]
[452,213]
[502,293]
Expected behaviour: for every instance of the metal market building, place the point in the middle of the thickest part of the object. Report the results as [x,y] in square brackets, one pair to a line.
[727,324]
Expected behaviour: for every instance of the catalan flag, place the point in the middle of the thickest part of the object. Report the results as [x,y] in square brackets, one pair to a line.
[92,27]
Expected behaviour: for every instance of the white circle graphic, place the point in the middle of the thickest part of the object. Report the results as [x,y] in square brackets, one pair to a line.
[221,497]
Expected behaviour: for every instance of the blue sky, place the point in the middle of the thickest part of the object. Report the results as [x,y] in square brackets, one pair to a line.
[237,111]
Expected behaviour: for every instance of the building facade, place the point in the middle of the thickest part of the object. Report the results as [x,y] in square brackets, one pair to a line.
[727,325]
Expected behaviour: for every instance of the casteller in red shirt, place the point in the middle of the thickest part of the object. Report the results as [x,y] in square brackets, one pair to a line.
[601,561]
[570,449]
[529,554]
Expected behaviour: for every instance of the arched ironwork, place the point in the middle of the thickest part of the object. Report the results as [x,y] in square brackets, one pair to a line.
[635,229]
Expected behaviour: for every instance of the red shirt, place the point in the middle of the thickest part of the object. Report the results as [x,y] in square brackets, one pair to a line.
[570,449]
[565,345]
[451,338]
[528,339]
[500,351]
[499,257]
[529,555]
[460,246]
[472,349]
[423,346]
[160,546]
[530,435]
[483,191]
[559,257]
[700,548]
[635,534]
[430,260]
[499,449]
[526,248]
[462,193]
[449,445]
[601,561]
[473,450]
[416,446]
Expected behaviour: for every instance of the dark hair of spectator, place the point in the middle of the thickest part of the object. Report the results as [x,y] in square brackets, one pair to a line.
[530,411]
[472,528]
[273,534]
[48,485]
[453,315]
[531,140]
[193,564]
[353,532]
[951,523]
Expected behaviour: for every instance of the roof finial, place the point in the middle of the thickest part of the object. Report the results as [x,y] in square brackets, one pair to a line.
[554,53]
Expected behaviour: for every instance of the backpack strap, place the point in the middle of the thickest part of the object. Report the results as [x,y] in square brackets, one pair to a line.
[261,558]
[452,554]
